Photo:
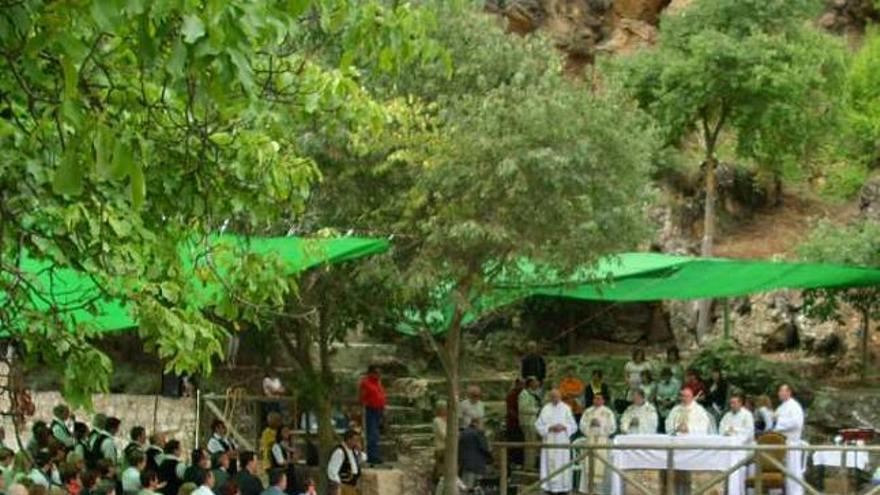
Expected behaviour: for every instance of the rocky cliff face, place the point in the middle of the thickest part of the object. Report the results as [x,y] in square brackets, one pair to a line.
[585,28]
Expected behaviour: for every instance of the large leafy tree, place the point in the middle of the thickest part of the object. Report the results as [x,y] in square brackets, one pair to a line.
[856,244]
[756,71]
[131,128]
[864,96]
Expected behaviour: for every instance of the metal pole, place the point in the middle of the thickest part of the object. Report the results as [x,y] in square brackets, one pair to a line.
[198,417]
[843,474]
[502,469]
[726,307]
[670,473]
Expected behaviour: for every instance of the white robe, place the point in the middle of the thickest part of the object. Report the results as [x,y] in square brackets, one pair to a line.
[694,416]
[646,416]
[739,424]
[605,417]
[553,459]
[790,422]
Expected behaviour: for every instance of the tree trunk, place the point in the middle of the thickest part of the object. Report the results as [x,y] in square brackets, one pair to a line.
[450,468]
[326,434]
[704,307]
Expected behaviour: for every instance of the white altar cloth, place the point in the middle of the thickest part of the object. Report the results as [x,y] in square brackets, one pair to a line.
[684,460]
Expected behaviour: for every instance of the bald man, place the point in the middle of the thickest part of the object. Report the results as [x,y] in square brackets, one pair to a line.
[688,417]
[471,408]
[556,425]
[789,421]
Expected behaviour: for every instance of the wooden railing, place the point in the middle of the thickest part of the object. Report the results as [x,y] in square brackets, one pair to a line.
[755,453]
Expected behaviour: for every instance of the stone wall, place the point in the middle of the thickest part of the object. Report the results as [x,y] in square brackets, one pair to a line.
[176,417]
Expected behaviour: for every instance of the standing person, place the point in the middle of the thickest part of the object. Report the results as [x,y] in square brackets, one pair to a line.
[572,389]
[529,405]
[102,445]
[649,387]
[171,468]
[137,442]
[738,421]
[789,421]
[60,429]
[716,396]
[277,482]
[344,466]
[668,392]
[689,417]
[556,425]
[131,477]
[80,435]
[220,468]
[154,451]
[692,381]
[267,439]
[673,362]
[513,431]
[597,425]
[149,482]
[439,439]
[473,454]
[280,451]
[41,473]
[204,479]
[764,420]
[199,461]
[247,479]
[633,370]
[597,386]
[533,364]
[372,395]
[640,418]
[222,442]
[471,408]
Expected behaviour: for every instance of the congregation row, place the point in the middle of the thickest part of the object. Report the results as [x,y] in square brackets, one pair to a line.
[69,457]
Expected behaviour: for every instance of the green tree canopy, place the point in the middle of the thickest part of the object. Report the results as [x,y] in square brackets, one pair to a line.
[753,70]
[864,95]
[131,127]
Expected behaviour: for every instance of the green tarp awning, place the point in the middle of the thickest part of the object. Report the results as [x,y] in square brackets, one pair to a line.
[633,277]
[66,289]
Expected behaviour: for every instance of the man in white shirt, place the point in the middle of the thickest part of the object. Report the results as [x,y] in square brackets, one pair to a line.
[221,442]
[789,421]
[344,467]
[60,426]
[41,472]
[131,477]
[205,479]
[688,417]
[471,408]
[738,421]
[639,418]
[556,425]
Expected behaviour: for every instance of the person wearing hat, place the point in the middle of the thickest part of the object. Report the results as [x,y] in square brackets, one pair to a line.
[41,474]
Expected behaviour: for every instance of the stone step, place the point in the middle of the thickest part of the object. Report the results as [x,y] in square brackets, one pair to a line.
[404,429]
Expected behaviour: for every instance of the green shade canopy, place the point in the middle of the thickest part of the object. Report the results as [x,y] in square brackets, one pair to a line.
[71,292]
[634,277]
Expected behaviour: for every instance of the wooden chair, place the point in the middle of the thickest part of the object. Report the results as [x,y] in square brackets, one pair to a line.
[772,478]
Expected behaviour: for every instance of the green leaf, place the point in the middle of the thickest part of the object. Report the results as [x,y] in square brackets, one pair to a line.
[137,185]
[123,162]
[296,7]
[70,77]
[193,29]
[69,175]
[103,145]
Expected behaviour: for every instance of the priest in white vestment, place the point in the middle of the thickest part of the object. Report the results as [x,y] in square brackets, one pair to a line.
[738,421]
[597,425]
[789,421]
[640,418]
[688,417]
[556,425]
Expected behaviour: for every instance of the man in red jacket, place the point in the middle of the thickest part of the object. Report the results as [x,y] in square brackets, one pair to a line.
[374,401]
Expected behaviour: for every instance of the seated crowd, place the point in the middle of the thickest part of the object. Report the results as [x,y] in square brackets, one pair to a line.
[68,457]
